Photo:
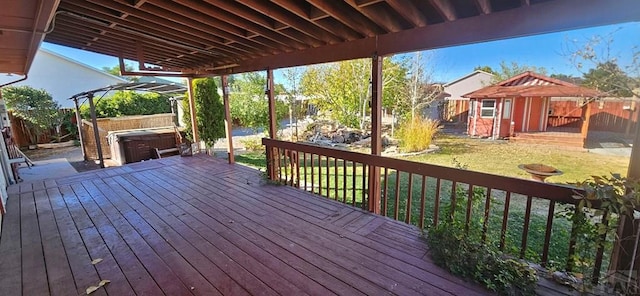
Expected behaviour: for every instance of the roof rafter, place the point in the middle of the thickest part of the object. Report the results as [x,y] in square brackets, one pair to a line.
[184,25]
[379,15]
[484,6]
[279,37]
[348,16]
[445,8]
[337,29]
[409,11]
[291,20]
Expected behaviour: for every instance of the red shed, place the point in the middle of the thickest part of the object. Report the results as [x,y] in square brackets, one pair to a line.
[521,104]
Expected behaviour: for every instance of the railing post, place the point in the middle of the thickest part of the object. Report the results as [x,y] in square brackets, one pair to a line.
[625,257]
[376,135]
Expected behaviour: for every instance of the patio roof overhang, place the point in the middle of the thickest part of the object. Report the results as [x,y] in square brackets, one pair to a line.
[22,28]
[216,37]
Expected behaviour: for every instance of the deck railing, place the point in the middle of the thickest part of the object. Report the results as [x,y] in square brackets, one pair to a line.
[519,216]
[565,121]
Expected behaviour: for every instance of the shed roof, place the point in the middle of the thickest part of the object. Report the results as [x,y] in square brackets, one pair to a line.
[530,84]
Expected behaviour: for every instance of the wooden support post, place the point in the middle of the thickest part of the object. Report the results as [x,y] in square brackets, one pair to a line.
[273,127]
[96,132]
[586,117]
[376,134]
[79,123]
[192,112]
[623,250]
[228,128]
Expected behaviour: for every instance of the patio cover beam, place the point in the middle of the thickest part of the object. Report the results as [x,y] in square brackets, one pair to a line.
[541,18]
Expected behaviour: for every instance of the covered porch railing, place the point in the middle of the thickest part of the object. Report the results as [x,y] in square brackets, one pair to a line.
[520,217]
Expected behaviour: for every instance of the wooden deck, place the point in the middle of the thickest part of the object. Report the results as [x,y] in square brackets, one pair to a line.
[182,226]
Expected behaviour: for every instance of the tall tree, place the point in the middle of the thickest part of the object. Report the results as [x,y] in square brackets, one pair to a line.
[609,78]
[343,90]
[247,101]
[209,111]
[600,65]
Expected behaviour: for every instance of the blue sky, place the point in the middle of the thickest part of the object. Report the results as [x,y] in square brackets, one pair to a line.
[447,64]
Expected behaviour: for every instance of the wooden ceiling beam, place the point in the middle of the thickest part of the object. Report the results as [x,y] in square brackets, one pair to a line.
[410,12]
[378,15]
[308,12]
[175,23]
[346,15]
[98,13]
[365,3]
[545,17]
[204,23]
[445,8]
[173,64]
[251,28]
[484,6]
[113,33]
[292,20]
[254,17]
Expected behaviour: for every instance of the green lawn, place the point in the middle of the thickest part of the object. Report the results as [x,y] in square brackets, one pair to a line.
[502,158]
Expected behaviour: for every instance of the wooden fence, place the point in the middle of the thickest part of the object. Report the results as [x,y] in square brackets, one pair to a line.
[106,125]
[508,210]
[20,131]
[607,115]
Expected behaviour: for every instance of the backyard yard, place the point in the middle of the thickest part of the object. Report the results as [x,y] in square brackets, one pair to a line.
[502,158]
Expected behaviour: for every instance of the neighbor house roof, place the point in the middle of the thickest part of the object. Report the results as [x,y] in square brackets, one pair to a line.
[530,84]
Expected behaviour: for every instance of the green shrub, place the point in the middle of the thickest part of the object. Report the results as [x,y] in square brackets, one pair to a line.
[416,135]
[252,144]
[123,103]
[464,254]
[209,111]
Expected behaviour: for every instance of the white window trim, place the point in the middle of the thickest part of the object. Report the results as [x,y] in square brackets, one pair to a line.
[493,109]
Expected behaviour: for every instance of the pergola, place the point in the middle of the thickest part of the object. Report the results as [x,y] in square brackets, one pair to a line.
[191,39]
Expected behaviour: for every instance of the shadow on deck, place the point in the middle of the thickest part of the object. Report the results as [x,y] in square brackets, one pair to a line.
[182,226]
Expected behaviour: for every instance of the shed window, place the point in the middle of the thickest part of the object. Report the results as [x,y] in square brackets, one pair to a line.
[488,108]
[506,113]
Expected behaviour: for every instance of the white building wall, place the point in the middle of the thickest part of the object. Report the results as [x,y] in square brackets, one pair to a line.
[467,84]
[63,77]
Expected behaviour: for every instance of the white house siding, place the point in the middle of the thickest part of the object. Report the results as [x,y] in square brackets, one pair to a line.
[63,77]
[467,84]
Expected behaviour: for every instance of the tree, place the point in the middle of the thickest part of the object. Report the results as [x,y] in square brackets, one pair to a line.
[209,111]
[248,104]
[343,90]
[609,78]
[35,106]
[508,70]
[600,66]
[421,89]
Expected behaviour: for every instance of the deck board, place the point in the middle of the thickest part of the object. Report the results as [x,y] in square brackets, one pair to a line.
[199,226]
